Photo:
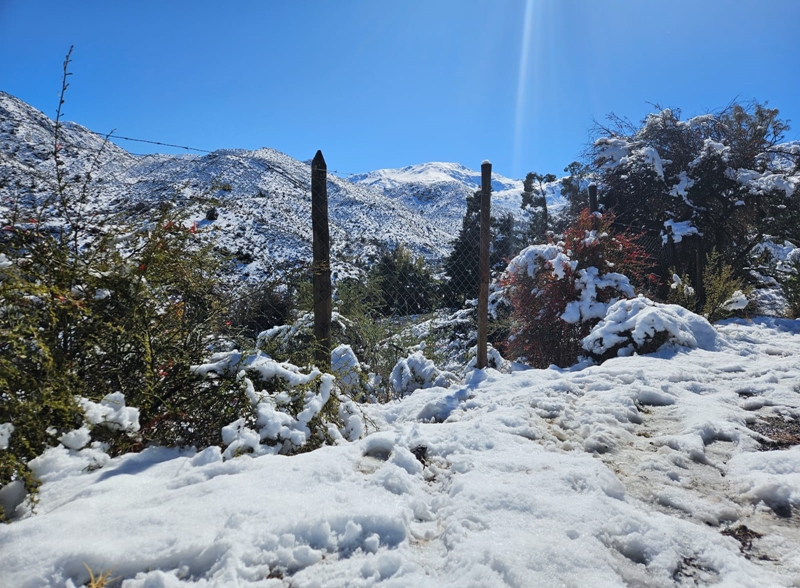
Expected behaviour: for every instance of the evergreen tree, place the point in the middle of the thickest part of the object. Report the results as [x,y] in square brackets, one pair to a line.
[504,245]
[407,285]
[534,201]
[573,188]
[718,181]
[462,265]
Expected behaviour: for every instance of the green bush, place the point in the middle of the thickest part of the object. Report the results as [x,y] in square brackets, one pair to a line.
[790,282]
[681,291]
[725,294]
[124,312]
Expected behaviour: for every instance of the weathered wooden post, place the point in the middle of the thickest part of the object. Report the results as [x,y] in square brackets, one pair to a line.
[321,266]
[592,197]
[483,288]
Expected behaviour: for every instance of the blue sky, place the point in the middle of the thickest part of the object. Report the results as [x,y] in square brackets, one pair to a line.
[378,84]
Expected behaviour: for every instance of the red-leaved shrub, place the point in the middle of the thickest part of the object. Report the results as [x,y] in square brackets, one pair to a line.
[559,291]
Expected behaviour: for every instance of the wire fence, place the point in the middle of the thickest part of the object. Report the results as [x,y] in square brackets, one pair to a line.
[396,287]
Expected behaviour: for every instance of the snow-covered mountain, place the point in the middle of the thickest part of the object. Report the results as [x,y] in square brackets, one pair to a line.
[440,190]
[262,197]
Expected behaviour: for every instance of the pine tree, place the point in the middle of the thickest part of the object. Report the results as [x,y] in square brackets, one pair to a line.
[462,265]
[534,201]
[406,284]
[574,190]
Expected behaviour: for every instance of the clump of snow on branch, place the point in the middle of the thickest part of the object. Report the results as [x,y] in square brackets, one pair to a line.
[415,372]
[711,149]
[588,280]
[738,301]
[617,151]
[678,230]
[677,284]
[289,405]
[5,434]
[345,366]
[111,412]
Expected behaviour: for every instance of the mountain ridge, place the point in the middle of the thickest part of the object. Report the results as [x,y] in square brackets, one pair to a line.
[261,197]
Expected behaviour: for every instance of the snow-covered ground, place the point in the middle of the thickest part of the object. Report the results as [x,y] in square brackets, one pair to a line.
[642,471]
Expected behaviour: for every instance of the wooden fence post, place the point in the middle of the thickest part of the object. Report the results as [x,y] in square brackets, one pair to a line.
[321,266]
[483,290]
[592,197]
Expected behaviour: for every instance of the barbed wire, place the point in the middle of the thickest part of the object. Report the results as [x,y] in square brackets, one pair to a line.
[111,136]
[187,148]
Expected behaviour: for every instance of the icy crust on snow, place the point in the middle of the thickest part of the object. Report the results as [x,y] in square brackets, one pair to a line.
[630,324]
[622,474]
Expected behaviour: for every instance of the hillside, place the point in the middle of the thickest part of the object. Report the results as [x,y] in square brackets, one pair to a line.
[440,189]
[262,197]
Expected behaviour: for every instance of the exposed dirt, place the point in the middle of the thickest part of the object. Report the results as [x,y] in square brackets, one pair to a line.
[781,433]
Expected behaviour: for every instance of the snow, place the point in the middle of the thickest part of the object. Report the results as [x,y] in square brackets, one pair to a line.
[678,230]
[345,366]
[738,301]
[588,280]
[416,371]
[261,196]
[761,183]
[438,190]
[653,159]
[638,320]
[5,433]
[625,473]
[614,149]
[681,189]
[111,412]
[711,149]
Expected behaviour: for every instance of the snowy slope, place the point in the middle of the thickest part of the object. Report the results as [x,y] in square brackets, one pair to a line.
[440,189]
[643,471]
[262,196]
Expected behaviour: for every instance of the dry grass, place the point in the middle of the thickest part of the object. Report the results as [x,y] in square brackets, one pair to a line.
[102,581]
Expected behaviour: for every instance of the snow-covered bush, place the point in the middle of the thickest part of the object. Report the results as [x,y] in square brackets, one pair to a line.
[295,342]
[559,291]
[725,294]
[494,360]
[125,311]
[290,410]
[642,326]
[775,267]
[719,180]
[415,372]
